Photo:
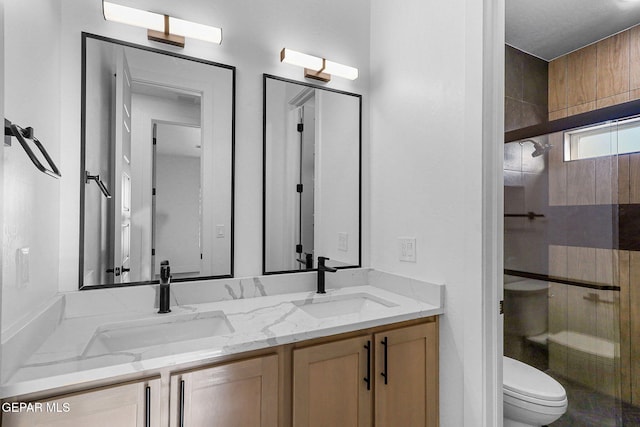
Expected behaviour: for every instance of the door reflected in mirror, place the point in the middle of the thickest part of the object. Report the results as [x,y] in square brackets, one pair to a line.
[158,134]
[312,177]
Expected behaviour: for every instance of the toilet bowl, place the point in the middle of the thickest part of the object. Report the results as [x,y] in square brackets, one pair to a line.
[531,397]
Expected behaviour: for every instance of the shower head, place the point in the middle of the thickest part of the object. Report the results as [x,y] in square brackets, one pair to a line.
[540,148]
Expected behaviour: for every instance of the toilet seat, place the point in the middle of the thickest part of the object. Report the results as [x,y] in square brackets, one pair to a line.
[525,384]
[519,399]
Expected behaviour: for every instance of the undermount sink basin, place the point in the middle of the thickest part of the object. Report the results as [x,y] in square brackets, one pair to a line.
[163,330]
[340,305]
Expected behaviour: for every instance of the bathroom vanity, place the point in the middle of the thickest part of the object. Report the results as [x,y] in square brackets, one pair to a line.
[262,351]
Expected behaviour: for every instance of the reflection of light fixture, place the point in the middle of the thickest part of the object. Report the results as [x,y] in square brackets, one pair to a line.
[158,26]
[317,68]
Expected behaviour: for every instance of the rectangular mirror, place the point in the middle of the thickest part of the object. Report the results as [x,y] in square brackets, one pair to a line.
[312,176]
[157,165]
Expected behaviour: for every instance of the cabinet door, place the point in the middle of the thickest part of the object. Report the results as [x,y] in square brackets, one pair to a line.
[128,405]
[406,392]
[237,394]
[329,387]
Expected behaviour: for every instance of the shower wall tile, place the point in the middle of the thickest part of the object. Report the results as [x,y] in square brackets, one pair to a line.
[581,311]
[606,259]
[581,108]
[536,81]
[512,179]
[512,114]
[606,186]
[625,326]
[513,156]
[612,100]
[533,114]
[634,315]
[607,73]
[514,72]
[559,114]
[634,178]
[557,92]
[557,172]
[535,195]
[581,264]
[526,81]
[514,200]
[581,182]
[581,76]
[623,179]
[634,58]
[558,307]
[558,260]
[629,227]
[613,65]
[607,312]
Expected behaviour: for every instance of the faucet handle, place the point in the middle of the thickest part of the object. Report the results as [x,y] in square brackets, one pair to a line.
[165,270]
[322,266]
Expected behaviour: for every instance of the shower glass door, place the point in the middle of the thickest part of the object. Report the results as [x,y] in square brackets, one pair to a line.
[572,265]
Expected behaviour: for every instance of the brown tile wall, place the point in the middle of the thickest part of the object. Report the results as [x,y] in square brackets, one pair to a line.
[526,90]
[599,75]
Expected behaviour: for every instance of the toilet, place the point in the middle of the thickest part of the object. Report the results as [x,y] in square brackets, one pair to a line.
[531,397]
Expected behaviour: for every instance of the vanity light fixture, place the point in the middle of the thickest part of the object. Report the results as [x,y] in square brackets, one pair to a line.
[317,68]
[159,26]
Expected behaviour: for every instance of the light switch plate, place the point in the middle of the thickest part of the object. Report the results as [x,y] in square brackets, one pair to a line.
[407,249]
[343,241]
[220,231]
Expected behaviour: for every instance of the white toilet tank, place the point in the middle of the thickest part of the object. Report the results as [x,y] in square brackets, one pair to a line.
[526,306]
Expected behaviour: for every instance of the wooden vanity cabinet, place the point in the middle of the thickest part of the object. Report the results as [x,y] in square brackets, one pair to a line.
[330,381]
[235,394]
[342,383]
[407,393]
[330,385]
[135,404]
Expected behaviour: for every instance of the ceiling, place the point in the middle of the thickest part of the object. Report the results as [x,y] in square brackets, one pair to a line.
[552,28]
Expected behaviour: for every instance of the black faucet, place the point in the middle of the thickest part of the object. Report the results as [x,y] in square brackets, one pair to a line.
[165,279]
[321,270]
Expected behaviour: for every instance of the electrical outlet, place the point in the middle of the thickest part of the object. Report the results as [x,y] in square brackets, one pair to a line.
[220,231]
[343,241]
[407,249]
[22,262]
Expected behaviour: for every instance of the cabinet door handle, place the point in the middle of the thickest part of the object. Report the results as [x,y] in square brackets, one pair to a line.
[367,379]
[181,403]
[385,372]
[147,417]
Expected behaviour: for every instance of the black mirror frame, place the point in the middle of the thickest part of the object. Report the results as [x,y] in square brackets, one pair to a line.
[264,170]
[86,36]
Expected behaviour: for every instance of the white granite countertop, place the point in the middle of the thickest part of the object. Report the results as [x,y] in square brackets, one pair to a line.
[89,344]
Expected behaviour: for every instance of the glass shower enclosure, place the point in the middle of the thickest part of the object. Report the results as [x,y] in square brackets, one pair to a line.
[572,265]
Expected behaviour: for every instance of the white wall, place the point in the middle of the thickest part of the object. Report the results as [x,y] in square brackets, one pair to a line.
[254,32]
[2,39]
[31,199]
[178,212]
[144,110]
[283,155]
[427,177]
[337,185]
[100,71]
